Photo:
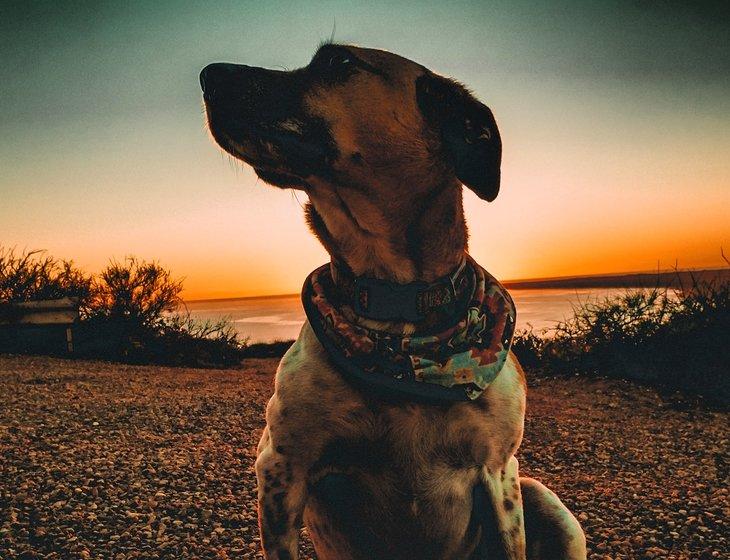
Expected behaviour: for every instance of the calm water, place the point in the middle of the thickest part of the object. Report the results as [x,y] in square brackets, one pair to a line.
[268,319]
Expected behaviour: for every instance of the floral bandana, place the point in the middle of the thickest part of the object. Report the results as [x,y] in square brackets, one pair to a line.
[455,364]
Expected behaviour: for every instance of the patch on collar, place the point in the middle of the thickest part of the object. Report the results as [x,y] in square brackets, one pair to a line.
[455,364]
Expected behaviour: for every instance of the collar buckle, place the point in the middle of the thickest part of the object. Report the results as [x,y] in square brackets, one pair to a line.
[386,301]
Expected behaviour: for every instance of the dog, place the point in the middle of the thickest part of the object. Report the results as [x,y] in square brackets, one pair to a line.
[382,146]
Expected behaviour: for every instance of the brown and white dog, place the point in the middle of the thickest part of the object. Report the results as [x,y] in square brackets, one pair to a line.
[382,146]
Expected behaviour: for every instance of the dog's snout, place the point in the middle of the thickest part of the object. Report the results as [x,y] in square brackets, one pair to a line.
[204,77]
[212,76]
[219,76]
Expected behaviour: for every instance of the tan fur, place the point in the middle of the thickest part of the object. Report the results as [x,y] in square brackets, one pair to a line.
[374,479]
[369,206]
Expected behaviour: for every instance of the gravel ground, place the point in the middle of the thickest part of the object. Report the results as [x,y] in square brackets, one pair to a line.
[117,462]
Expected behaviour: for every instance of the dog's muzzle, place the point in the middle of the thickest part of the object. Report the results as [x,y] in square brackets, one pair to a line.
[222,82]
[256,114]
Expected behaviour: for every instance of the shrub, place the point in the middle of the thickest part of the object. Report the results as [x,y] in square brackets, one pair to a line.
[132,315]
[129,312]
[677,338]
[274,349]
[34,275]
[133,293]
[184,340]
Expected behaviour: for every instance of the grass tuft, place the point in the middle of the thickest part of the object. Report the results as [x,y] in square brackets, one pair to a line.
[677,338]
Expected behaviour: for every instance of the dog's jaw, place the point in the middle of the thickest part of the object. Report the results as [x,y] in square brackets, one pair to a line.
[280,179]
[260,155]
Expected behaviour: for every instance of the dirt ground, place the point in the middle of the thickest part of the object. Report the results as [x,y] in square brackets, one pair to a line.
[117,462]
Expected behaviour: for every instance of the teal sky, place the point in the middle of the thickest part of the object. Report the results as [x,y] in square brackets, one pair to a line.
[615,119]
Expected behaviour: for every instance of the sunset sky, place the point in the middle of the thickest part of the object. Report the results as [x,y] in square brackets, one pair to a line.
[615,120]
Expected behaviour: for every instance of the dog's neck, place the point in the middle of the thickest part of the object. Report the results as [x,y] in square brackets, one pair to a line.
[401,241]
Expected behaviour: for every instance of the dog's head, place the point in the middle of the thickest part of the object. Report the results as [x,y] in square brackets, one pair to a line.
[354,118]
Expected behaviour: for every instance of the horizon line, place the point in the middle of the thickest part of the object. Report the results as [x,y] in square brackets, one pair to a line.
[517,284]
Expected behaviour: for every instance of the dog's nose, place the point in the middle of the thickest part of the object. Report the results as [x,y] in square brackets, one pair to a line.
[218,76]
[208,76]
[202,77]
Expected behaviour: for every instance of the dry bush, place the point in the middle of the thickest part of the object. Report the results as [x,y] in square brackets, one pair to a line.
[134,293]
[677,338]
[133,306]
[129,311]
[34,275]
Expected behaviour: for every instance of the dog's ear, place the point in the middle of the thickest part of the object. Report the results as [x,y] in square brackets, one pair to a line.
[468,131]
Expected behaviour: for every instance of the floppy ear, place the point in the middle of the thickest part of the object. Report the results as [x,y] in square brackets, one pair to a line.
[468,132]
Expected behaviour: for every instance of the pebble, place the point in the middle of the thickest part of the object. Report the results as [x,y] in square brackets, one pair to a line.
[171,473]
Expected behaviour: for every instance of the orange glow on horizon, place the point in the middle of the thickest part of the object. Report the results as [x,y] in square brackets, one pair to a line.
[247,239]
[615,142]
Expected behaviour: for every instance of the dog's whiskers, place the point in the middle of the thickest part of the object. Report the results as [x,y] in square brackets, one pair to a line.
[294,194]
[334,29]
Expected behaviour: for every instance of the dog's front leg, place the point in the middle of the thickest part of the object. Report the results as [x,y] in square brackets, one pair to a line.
[503,486]
[282,494]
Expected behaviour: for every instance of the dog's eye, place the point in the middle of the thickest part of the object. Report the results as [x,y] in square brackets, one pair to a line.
[334,64]
[333,60]
[338,60]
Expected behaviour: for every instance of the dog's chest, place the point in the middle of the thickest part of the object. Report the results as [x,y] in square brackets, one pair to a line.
[415,443]
[405,476]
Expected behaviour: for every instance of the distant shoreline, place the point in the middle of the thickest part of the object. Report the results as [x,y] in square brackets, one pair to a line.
[619,280]
[240,298]
[666,279]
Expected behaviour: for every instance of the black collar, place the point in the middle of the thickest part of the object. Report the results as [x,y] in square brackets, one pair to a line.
[383,300]
[452,360]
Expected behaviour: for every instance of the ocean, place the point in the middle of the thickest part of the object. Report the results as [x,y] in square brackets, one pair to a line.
[280,318]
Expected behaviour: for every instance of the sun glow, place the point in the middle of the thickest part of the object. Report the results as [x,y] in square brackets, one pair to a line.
[615,140]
